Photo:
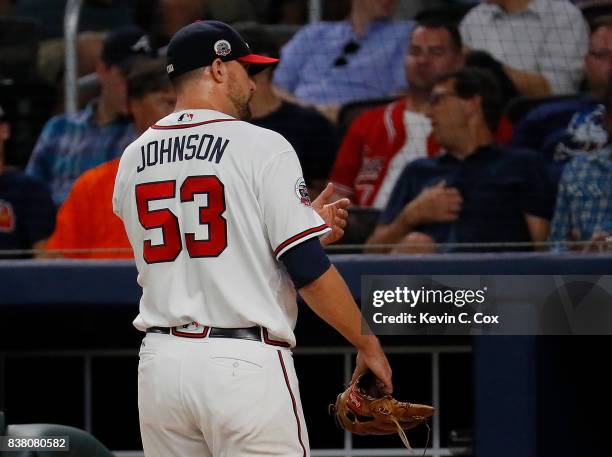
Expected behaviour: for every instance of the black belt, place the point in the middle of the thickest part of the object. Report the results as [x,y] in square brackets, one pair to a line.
[255,333]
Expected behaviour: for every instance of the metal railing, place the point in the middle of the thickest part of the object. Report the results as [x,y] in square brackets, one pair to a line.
[347,354]
[72,13]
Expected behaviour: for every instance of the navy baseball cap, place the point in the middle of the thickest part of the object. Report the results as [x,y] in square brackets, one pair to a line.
[200,43]
[124,46]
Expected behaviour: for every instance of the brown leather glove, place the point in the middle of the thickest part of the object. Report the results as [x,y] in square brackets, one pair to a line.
[364,409]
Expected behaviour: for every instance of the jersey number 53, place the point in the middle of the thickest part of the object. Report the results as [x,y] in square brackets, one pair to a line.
[167,221]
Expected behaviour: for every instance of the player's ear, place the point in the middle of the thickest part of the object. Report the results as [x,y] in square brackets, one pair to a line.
[218,70]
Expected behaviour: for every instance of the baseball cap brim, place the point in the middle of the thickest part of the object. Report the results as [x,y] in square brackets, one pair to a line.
[258,62]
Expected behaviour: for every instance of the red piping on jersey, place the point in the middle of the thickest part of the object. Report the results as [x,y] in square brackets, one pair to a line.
[186,126]
[272,342]
[287,242]
[295,412]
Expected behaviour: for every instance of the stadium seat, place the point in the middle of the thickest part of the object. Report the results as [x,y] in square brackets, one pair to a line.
[519,107]
[350,111]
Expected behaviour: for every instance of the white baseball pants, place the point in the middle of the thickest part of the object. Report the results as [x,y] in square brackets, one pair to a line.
[218,397]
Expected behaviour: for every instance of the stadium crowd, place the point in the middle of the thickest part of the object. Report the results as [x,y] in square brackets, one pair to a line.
[468,126]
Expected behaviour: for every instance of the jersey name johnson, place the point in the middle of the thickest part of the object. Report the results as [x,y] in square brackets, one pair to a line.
[183,147]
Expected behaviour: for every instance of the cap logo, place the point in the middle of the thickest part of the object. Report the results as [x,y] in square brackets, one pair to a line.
[142,45]
[222,48]
[170,68]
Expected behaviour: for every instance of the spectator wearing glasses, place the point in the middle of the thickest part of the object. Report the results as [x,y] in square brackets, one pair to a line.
[541,43]
[381,141]
[328,64]
[27,213]
[72,144]
[477,191]
[563,129]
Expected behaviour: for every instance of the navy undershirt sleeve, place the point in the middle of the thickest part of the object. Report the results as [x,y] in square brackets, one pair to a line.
[305,262]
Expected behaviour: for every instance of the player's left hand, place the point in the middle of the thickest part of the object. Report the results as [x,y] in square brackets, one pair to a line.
[334,214]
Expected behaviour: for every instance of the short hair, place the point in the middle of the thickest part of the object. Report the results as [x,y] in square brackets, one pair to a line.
[471,82]
[147,77]
[601,21]
[440,23]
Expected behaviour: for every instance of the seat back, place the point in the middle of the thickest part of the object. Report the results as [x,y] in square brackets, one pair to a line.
[349,112]
[520,107]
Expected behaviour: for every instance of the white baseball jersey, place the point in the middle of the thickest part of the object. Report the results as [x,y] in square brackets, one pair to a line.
[209,203]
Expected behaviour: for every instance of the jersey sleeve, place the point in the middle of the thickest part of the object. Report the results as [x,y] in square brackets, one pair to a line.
[119,188]
[287,212]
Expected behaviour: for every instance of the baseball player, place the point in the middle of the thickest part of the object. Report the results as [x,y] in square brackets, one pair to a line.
[223,233]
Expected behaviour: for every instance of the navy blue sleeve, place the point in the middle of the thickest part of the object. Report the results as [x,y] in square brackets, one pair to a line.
[403,192]
[305,262]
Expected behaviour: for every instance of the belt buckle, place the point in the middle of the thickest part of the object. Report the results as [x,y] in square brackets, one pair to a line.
[191,330]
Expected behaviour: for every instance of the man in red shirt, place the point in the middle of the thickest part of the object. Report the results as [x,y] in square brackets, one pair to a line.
[86,225]
[381,141]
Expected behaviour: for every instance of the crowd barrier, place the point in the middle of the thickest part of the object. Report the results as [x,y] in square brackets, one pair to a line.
[111,282]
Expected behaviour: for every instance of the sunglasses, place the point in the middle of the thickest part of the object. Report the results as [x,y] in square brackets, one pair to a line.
[349,48]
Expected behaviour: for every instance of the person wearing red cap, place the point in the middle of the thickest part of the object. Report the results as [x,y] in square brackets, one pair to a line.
[224,233]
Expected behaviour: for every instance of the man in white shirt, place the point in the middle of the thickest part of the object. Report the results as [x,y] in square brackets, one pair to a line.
[541,43]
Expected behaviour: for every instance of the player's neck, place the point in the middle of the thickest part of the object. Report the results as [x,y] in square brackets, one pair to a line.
[189,103]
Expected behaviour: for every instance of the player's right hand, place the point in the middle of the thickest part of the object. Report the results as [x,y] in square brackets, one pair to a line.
[375,360]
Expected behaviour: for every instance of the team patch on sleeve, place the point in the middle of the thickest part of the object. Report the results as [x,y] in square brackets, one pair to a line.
[302,192]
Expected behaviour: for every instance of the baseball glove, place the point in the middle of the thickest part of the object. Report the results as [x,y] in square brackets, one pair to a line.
[364,409]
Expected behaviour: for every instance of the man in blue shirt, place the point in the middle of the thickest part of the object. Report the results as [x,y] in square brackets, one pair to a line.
[328,64]
[566,128]
[72,144]
[476,192]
